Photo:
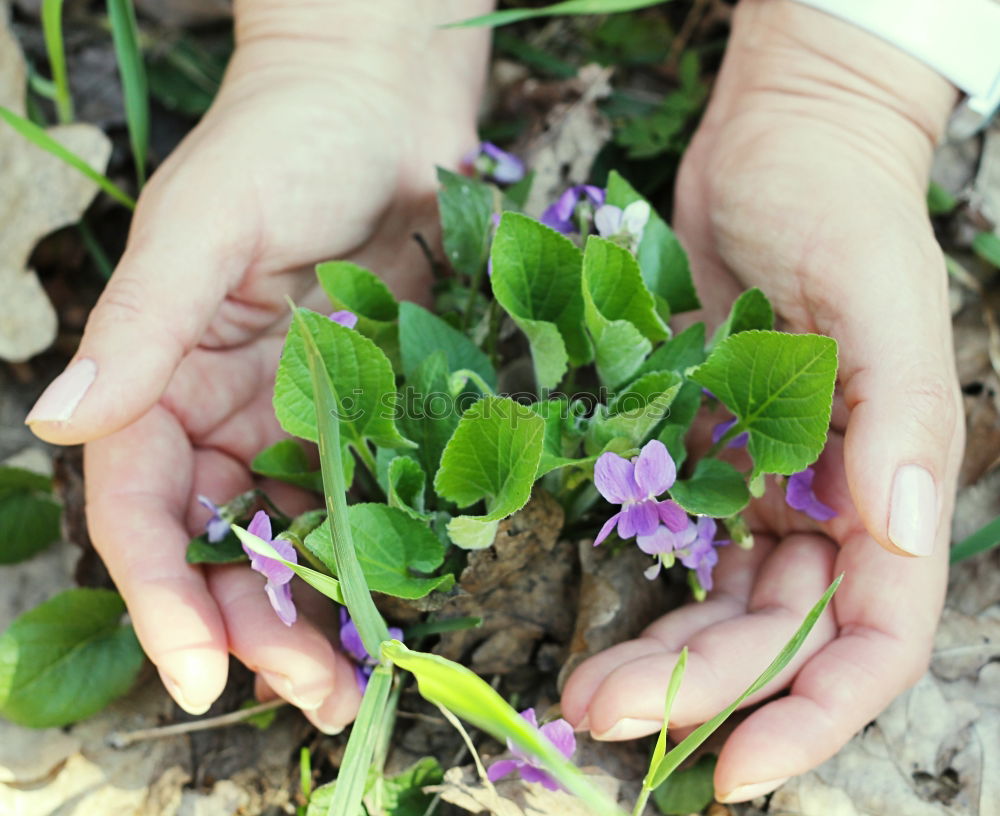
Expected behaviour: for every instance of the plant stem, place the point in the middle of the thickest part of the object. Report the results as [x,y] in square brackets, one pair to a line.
[640,803]
[52,29]
[122,740]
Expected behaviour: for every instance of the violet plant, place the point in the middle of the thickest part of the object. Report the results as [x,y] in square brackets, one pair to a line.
[417,425]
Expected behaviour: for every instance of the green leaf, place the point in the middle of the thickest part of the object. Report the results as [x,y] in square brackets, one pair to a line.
[202,551]
[558,440]
[262,720]
[680,353]
[407,481]
[690,790]
[358,370]
[287,461]
[780,386]
[40,138]
[690,743]
[29,515]
[493,455]
[323,583]
[421,334]
[357,290]
[467,695]
[751,310]
[429,414]
[56,52]
[715,489]
[66,659]
[403,795]
[391,548]
[939,200]
[537,279]
[135,93]
[465,205]
[985,538]
[619,310]
[508,16]
[987,246]
[635,411]
[664,263]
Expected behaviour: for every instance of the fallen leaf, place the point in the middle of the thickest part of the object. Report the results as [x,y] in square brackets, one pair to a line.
[39,194]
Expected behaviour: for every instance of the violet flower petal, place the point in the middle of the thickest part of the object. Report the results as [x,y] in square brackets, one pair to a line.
[650,573]
[502,768]
[660,542]
[260,525]
[216,529]
[638,519]
[508,168]
[350,638]
[531,773]
[672,515]
[344,318]
[799,495]
[609,525]
[560,734]
[608,220]
[654,469]
[614,478]
[280,596]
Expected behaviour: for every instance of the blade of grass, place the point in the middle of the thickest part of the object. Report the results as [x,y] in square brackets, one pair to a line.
[357,596]
[508,16]
[353,776]
[52,29]
[135,90]
[97,253]
[676,676]
[985,538]
[669,763]
[40,138]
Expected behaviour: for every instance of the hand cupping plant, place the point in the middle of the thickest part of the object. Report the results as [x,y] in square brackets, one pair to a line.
[428,440]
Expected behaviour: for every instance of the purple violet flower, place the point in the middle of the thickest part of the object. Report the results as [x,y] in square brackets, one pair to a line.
[663,545]
[702,555]
[799,496]
[493,163]
[559,215]
[344,318]
[738,441]
[216,528]
[635,485]
[350,640]
[558,732]
[278,588]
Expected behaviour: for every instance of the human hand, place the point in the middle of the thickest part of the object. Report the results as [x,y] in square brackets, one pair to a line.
[807,178]
[321,144]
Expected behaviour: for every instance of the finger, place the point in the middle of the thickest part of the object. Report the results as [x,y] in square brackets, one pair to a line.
[734,577]
[904,435]
[724,658]
[137,484]
[887,610]
[171,280]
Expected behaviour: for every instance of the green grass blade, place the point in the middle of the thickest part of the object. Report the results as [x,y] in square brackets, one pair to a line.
[125,34]
[676,676]
[353,776]
[985,538]
[357,596]
[52,29]
[669,763]
[40,138]
[508,16]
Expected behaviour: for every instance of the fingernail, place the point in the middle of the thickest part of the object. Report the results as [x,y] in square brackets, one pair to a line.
[60,399]
[175,691]
[913,511]
[628,728]
[745,793]
[329,729]
[300,698]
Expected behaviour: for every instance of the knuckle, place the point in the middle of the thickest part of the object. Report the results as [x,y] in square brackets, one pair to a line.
[124,300]
[932,404]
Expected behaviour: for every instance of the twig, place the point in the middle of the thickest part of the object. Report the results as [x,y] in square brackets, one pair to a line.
[117,739]
[688,27]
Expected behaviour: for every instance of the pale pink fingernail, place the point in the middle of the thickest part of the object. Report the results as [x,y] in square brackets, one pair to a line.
[61,398]
[913,511]
[307,699]
[628,728]
[744,793]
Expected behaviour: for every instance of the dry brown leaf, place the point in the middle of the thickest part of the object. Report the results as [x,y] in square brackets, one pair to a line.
[39,194]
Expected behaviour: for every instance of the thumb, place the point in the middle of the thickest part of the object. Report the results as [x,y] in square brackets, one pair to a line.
[904,436]
[154,310]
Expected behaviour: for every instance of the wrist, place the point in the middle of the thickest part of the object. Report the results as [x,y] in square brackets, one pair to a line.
[792,48]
